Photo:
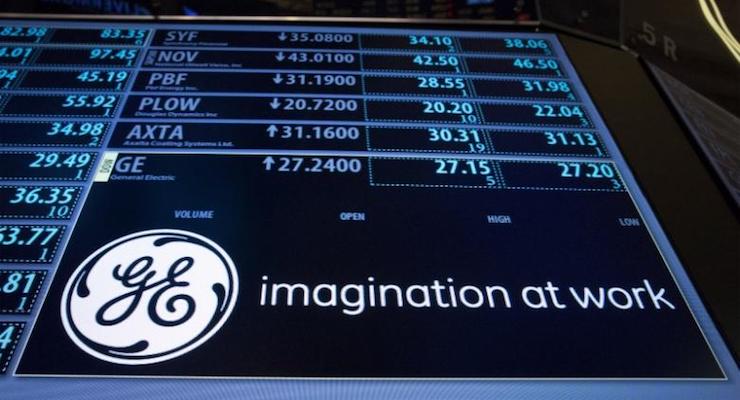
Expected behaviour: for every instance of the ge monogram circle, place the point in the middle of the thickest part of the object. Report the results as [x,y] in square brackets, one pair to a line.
[149,296]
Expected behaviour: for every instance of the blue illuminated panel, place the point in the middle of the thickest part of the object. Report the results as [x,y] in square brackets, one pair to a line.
[389,213]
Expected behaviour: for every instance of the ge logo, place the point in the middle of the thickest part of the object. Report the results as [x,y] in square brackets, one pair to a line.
[150,296]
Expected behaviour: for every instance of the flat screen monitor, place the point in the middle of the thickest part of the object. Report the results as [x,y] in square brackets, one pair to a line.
[251,210]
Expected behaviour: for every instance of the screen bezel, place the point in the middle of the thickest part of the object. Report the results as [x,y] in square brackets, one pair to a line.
[693,210]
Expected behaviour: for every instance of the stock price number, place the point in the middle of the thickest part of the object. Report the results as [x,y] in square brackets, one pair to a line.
[303,37]
[45,165]
[52,160]
[436,61]
[536,64]
[322,104]
[15,53]
[312,164]
[464,109]
[8,76]
[10,332]
[56,160]
[453,135]
[317,58]
[113,54]
[546,86]
[124,34]
[451,166]
[451,107]
[433,82]
[57,198]
[315,80]
[18,289]
[555,111]
[83,101]
[571,139]
[590,171]
[28,243]
[77,129]
[526,44]
[19,31]
[471,137]
[103,76]
[314,133]
[430,40]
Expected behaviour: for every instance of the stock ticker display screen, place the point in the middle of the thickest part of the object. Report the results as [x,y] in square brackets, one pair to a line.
[272,206]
